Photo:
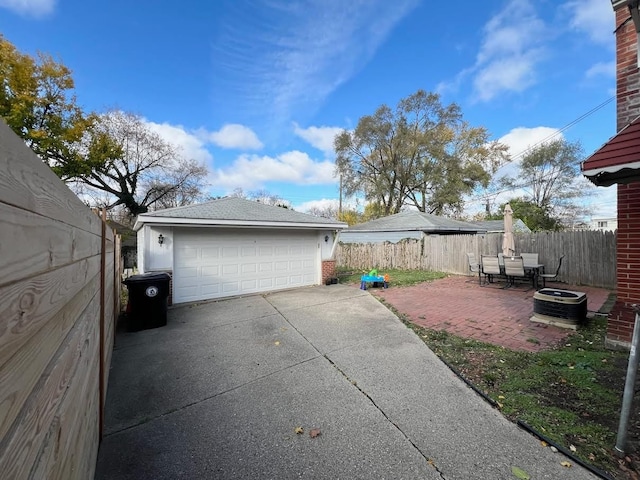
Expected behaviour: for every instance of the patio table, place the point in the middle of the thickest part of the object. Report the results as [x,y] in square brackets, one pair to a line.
[534,270]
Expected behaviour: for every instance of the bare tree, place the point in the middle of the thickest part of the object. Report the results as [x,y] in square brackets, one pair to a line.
[135,167]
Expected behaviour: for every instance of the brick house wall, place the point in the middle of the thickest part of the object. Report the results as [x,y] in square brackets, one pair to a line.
[622,318]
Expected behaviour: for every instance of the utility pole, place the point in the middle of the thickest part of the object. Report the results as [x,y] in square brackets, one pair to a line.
[340,202]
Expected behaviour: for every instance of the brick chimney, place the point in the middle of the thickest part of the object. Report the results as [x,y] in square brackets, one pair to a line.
[627,74]
[622,318]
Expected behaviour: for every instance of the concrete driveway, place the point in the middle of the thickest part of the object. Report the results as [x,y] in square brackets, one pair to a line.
[220,391]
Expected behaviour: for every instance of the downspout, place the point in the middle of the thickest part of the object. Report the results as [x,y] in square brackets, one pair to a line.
[335,244]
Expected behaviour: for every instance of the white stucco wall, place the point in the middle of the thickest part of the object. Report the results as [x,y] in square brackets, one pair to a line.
[151,255]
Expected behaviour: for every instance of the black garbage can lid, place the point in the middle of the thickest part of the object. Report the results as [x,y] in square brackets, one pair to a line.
[147,277]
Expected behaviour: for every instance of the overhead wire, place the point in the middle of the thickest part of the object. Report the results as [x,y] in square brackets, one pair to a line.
[530,148]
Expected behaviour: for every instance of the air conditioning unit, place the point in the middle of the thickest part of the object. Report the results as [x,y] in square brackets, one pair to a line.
[562,308]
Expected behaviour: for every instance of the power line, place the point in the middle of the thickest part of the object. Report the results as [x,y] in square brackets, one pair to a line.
[537,144]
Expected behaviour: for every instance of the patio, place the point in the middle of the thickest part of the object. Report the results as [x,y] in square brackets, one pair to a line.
[460,306]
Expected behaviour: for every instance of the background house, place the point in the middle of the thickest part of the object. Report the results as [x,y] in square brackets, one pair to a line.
[128,245]
[497,226]
[618,162]
[604,223]
[233,246]
[409,224]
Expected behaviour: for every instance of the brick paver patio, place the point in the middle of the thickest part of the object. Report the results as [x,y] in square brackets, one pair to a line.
[489,313]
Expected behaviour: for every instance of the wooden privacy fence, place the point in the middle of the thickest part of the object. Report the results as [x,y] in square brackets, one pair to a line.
[59,298]
[590,256]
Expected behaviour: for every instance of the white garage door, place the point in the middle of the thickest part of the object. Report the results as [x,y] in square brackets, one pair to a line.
[214,263]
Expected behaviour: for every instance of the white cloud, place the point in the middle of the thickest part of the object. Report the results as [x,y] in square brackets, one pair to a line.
[292,55]
[254,171]
[35,8]
[233,135]
[607,69]
[514,74]
[594,18]
[190,145]
[319,137]
[521,139]
[509,52]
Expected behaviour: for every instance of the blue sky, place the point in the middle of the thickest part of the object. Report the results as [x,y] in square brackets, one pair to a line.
[257,89]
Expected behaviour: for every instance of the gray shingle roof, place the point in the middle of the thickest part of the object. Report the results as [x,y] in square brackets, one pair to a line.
[414,220]
[239,209]
[498,225]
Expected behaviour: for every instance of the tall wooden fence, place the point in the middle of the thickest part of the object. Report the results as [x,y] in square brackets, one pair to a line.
[589,256]
[59,297]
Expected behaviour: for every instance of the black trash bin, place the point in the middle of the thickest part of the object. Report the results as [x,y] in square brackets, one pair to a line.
[148,297]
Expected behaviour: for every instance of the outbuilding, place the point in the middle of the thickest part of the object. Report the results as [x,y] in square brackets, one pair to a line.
[232,246]
[410,224]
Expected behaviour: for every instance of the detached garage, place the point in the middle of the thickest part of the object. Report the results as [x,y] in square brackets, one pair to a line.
[233,246]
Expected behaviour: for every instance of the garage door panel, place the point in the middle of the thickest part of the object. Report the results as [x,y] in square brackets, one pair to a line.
[249,285]
[231,288]
[210,271]
[281,282]
[230,252]
[249,268]
[210,254]
[230,269]
[213,263]
[266,267]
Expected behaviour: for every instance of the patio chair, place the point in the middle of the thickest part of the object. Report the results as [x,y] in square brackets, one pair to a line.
[514,269]
[529,259]
[474,266]
[551,276]
[490,267]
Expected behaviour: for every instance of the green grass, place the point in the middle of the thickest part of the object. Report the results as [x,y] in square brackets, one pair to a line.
[397,278]
[571,394]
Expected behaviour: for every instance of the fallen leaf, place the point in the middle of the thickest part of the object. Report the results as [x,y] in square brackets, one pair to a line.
[573,448]
[501,397]
[277,342]
[592,457]
[299,430]
[543,443]
[519,473]
[566,464]
[315,432]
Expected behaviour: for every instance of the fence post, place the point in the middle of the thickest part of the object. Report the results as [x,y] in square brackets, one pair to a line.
[103,261]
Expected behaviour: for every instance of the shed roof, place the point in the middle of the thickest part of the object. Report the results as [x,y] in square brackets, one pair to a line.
[415,220]
[618,160]
[234,211]
[498,225]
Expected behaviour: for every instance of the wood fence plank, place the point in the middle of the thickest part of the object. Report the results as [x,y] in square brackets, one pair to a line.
[20,447]
[26,182]
[22,371]
[79,427]
[31,244]
[25,306]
